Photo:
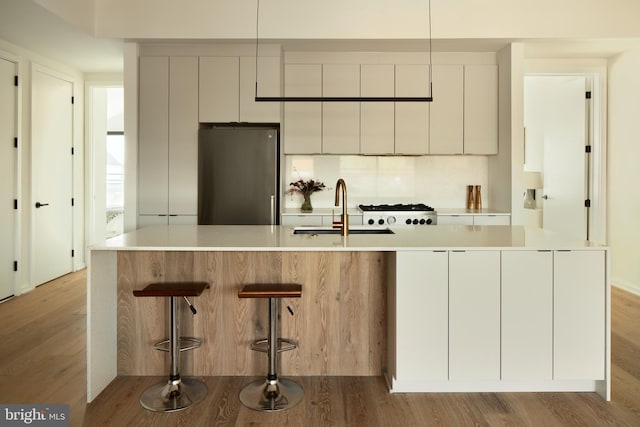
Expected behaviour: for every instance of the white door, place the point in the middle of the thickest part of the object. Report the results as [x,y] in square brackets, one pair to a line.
[7,183]
[52,173]
[559,128]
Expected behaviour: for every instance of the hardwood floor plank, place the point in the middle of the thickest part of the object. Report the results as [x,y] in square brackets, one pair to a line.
[43,360]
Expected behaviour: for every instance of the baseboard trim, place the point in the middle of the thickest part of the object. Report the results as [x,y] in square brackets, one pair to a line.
[629,287]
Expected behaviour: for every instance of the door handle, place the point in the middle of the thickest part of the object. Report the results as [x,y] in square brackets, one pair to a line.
[273,210]
[39,205]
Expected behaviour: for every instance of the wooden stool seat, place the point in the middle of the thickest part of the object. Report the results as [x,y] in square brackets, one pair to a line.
[172,289]
[271,290]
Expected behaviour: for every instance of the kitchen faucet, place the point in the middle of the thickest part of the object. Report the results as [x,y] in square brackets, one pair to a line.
[343,224]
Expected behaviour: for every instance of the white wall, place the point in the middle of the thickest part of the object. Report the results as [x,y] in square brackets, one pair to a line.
[624,156]
[366,19]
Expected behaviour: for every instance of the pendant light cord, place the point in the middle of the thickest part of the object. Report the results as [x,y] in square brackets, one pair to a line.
[345,99]
[430,57]
[257,26]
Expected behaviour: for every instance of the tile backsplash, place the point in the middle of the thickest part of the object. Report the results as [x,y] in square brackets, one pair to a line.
[439,181]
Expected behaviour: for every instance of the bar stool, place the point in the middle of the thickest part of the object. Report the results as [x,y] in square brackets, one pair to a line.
[177,393]
[274,393]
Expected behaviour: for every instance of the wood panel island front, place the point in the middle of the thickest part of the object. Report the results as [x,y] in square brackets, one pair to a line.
[446,308]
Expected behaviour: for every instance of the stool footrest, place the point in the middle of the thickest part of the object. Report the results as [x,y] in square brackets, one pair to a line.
[284,344]
[186,344]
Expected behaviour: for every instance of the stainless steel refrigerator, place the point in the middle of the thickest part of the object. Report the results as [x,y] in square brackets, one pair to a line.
[238,175]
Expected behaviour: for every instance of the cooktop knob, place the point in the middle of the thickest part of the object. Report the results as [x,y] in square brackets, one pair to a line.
[371,222]
[429,221]
[408,221]
[391,220]
[422,221]
[381,221]
[415,221]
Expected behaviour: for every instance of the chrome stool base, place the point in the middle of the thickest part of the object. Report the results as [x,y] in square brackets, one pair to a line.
[173,396]
[271,396]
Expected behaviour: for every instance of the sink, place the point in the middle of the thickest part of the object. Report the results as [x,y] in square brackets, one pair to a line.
[331,230]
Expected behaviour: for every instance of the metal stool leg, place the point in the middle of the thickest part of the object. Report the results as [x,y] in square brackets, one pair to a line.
[177,393]
[274,394]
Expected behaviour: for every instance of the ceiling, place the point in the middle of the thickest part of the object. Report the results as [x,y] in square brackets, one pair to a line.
[28,25]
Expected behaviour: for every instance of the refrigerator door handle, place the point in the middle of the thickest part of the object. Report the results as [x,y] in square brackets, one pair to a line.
[273,209]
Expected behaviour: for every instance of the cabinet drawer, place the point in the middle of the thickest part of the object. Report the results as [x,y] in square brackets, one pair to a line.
[301,220]
[491,220]
[455,219]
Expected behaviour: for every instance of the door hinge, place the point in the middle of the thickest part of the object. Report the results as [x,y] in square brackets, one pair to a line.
[587,203]
[15,142]
[73,253]
[15,204]
[587,149]
[15,265]
[588,94]
[72,201]
[15,80]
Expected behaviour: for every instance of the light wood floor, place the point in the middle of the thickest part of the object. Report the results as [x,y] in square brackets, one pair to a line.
[43,352]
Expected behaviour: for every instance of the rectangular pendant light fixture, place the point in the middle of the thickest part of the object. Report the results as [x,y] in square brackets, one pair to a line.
[341,98]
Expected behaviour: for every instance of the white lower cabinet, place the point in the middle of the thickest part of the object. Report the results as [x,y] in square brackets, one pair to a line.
[527,315]
[421,316]
[455,219]
[491,219]
[579,315]
[481,219]
[509,320]
[149,220]
[313,220]
[307,220]
[474,315]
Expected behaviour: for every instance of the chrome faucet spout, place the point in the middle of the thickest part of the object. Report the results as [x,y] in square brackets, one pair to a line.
[344,217]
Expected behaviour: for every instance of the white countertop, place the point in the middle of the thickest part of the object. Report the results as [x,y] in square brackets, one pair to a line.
[281,238]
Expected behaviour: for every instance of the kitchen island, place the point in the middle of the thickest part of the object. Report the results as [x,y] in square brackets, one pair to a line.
[449,308]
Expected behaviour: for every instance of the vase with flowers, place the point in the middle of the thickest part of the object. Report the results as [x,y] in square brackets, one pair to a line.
[306,188]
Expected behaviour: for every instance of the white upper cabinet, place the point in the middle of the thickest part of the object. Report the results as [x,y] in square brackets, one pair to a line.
[183,136]
[447,110]
[341,120]
[412,118]
[268,85]
[228,86]
[168,139]
[481,109]
[377,118]
[303,120]
[153,134]
[219,100]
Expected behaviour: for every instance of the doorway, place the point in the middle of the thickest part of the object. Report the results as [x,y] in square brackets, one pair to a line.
[106,160]
[52,176]
[562,143]
[8,162]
